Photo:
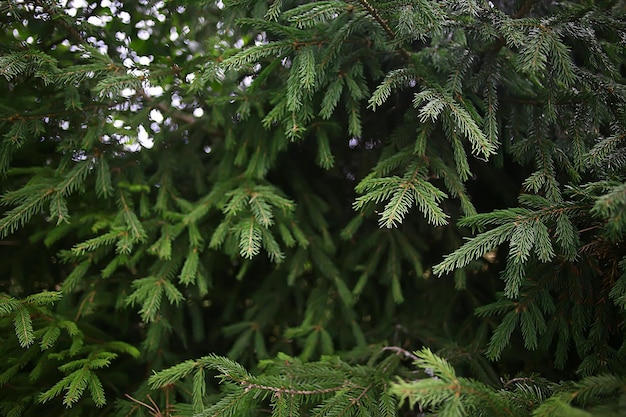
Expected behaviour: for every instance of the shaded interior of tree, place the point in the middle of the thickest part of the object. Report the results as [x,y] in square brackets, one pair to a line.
[330,208]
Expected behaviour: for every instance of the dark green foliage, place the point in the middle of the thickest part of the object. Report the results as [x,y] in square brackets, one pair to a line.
[450,395]
[324,388]
[301,193]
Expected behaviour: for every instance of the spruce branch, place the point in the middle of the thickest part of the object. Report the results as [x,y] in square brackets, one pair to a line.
[532,86]
[289,391]
[62,21]
[383,23]
[154,409]
[21,214]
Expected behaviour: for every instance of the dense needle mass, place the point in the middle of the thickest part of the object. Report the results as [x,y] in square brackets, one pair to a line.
[363,208]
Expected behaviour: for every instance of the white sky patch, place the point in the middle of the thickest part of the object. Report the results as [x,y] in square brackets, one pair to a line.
[124,17]
[142,24]
[156,9]
[144,138]
[123,51]
[174,34]
[198,112]
[190,77]
[143,34]
[156,116]
[154,91]
[247,80]
[71,8]
[128,92]
[78,3]
[144,60]
[118,123]
[176,101]
[131,146]
[219,4]
[99,21]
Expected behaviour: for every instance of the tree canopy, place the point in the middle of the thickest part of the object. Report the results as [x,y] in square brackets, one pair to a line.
[312,208]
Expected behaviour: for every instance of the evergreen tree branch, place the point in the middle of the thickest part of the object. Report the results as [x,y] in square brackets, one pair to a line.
[383,23]
[291,391]
[61,20]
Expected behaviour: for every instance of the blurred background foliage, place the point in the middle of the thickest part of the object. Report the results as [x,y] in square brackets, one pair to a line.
[189,178]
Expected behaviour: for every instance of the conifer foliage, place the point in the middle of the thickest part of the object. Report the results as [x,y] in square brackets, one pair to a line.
[312,208]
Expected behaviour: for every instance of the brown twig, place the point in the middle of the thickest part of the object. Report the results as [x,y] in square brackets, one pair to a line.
[401,351]
[374,13]
[515,380]
[155,411]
